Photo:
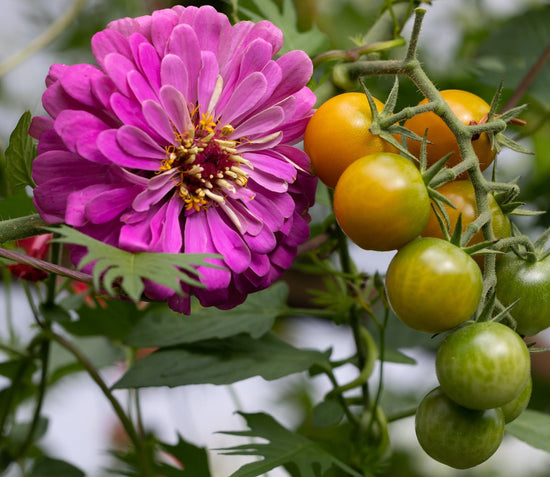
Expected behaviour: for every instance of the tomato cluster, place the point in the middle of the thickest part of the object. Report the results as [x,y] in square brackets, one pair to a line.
[382,203]
[484,378]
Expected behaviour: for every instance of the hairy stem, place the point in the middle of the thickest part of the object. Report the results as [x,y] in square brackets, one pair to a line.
[21,227]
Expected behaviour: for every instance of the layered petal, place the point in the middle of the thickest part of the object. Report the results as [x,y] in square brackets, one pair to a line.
[181,140]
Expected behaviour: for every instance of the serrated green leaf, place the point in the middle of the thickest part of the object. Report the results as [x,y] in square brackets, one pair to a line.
[20,153]
[220,362]
[532,427]
[48,467]
[254,317]
[285,447]
[115,267]
[311,41]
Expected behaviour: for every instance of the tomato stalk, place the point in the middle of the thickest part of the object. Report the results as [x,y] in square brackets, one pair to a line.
[410,67]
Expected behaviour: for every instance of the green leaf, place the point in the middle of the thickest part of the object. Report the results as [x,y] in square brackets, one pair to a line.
[10,369]
[220,362]
[398,357]
[513,48]
[311,41]
[100,351]
[48,467]
[114,267]
[17,205]
[285,447]
[114,321]
[20,153]
[254,317]
[194,459]
[327,413]
[532,427]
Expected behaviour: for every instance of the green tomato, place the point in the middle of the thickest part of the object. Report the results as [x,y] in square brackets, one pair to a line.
[516,406]
[483,365]
[456,436]
[528,282]
[432,285]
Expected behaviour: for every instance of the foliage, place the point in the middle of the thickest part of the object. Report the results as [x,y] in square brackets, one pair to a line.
[284,447]
[113,267]
[97,316]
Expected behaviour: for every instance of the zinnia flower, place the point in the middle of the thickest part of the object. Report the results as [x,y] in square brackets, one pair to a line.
[182,140]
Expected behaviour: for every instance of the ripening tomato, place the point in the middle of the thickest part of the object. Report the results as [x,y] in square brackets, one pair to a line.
[381,201]
[483,365]
[338,134]
[432,285]
[456,436]
[470,109]
[462,195]
[528,282]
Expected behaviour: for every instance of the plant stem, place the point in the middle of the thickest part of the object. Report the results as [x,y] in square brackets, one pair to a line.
[528,79]
[402,414]
[45,358]
[21,227]
[139,444]
[47,266]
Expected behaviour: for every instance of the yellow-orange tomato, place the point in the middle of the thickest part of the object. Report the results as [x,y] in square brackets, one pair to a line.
[381,202]
[470,109]
[338,134]
[462,196]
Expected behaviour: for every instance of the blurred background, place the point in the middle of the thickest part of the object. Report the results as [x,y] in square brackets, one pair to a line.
[471,45]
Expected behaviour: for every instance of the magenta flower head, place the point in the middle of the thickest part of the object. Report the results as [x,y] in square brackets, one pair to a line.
[182,140]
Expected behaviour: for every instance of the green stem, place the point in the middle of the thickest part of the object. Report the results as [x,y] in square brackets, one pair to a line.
[139,444]
[45,358]
[354,54]
[381,357]
[343,402]
[396,416]
[21,227]
[7,399]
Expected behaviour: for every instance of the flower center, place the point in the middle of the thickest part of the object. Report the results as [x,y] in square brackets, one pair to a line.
[207,163]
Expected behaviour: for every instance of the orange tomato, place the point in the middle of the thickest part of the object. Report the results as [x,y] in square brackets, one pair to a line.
[462,196]
[470,109]
[338,134]
[381,202]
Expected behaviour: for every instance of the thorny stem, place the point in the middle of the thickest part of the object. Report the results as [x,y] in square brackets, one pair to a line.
[411,67]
